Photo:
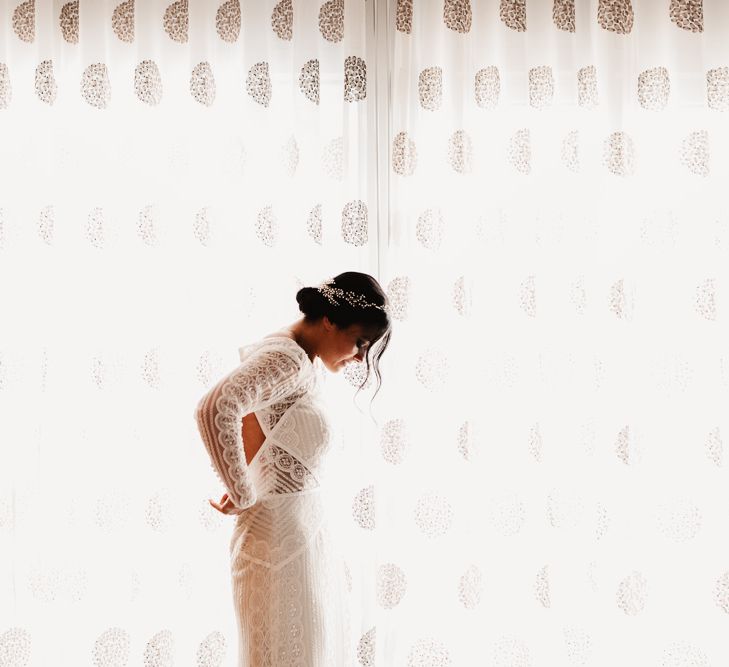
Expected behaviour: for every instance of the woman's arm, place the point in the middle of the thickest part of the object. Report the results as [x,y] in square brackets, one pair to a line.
[265,377]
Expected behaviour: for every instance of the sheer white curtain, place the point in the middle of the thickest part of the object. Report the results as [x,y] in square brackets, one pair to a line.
[170,174]
[537,185]
[554,491]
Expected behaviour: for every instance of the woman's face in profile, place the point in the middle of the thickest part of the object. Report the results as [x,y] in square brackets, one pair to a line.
[344,346]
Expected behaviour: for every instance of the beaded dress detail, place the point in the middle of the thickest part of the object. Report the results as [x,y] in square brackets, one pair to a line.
[288,574]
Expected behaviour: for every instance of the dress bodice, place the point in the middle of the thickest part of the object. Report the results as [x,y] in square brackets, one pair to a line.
[277,494]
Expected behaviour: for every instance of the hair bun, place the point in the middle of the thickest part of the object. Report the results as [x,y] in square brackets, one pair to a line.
[307,298]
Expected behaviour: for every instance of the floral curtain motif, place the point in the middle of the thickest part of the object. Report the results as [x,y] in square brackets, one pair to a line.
[541,86]
[355,79]
[148,82]
[6,88]
[404,16]
[282,20]
[331,20]
[46,224]
[457,15]
[122,21]
[228,20]
[314,224]
[258,83]
[615,16]
[688,14]
[429,229]
[354,223]
[695,152]
[619,154]
[430,88]
[654,87]
[202,84]
[520,152]
[404,155]
[95,85]
[176,20]
[460,152]
[488,86]
[587,87]
[24,21]
[563,14]
[69,22]
[717,88]
[513,14]
[309,83]
[571,151]
[45,83]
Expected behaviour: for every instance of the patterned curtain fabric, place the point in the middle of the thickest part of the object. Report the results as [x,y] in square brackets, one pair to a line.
[170,174]
[555,492]
[540,188]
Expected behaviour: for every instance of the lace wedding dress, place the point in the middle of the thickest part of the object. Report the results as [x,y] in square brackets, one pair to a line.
[288,576]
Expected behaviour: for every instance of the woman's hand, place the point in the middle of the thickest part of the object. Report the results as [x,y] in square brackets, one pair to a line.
[225,506]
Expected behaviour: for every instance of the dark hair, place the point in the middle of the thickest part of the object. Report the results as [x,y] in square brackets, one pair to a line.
[375,322]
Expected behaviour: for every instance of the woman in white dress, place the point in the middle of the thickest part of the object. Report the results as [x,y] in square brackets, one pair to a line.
[266,431]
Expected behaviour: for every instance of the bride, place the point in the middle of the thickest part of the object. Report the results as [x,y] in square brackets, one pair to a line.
[266,431]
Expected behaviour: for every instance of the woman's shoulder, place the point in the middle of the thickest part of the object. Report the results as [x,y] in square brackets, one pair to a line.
[274,342]
[281,333]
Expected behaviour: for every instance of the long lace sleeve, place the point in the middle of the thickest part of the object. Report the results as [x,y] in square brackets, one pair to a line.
[265,377]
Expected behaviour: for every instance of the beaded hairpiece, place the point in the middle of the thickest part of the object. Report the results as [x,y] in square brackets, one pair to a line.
[333,293]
